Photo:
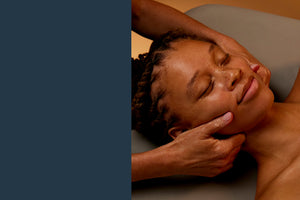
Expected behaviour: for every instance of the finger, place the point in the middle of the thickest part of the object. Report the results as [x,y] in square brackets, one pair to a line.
[233,154]
[262,71]
[224,169]
[233,141]
[231,157]
[211,127]
[227,167]
[255,67]
[217,124]
[265,77]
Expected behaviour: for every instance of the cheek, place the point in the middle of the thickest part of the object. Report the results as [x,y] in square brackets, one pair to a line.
[221,102]
[249,115]
[218,104]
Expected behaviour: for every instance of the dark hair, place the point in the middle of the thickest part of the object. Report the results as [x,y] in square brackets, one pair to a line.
[147,118]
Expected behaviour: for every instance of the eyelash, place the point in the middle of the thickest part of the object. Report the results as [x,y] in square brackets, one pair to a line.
[226,60]
[208,89]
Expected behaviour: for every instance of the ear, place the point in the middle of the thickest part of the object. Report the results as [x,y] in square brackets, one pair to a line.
[174,132]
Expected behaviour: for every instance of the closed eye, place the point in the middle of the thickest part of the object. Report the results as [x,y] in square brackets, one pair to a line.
[207,90]
[225,60]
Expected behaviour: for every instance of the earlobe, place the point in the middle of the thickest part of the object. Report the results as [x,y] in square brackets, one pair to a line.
[174,132]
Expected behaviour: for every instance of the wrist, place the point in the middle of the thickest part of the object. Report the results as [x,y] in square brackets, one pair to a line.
[156,163]
[171,161]
[166,160]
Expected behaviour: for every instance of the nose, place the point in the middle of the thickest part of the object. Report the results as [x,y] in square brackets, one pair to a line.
[231,77]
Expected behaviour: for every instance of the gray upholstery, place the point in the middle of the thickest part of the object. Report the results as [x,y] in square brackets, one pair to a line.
[272,39]
[275,41]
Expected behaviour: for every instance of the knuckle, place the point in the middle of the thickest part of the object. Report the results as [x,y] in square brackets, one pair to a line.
[220,151]
[218,171]
[214,125]
[224,169]
[210,175]
[222,154]
[214,173]
[224,162]
[218,123]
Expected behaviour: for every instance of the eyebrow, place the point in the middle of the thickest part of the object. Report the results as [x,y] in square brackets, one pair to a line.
[211,48]
[192,81]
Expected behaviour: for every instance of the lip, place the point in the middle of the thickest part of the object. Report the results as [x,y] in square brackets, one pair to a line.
[249,90]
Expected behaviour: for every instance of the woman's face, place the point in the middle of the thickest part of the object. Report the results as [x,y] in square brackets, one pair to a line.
[202,82]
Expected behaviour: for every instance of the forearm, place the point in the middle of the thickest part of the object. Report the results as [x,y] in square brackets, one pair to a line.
[152,19]
[151,164]
[193,152]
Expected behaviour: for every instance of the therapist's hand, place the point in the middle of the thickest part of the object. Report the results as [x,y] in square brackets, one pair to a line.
[232,47]
[196,152]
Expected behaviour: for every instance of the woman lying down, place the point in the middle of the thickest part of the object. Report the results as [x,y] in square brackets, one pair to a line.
[188,82]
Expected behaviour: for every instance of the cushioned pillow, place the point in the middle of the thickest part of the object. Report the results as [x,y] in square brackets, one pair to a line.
[275,41]
[272,39]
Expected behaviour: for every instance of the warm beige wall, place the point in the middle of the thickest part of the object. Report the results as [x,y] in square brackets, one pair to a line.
[288,8]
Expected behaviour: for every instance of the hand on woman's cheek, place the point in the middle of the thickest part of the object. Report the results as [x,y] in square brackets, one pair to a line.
[265,74]
[262,71]
[232,47]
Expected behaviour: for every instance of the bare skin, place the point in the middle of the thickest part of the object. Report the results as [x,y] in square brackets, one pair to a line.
[147,14]
[275,144]
[210,158]
[206,151]
[272,129]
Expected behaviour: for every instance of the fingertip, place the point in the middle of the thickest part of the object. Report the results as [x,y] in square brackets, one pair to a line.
[236,140]
[228,167]
[241,138]
[228,117]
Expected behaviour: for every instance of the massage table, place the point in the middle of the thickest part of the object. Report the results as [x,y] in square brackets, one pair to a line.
[275,42]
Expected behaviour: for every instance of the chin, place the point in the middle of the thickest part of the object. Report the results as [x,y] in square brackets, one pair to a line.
[239,126]
[250,116]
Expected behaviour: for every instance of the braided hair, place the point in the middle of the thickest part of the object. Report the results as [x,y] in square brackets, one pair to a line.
[147,118]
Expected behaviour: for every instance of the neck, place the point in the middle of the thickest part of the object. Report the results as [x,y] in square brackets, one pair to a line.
[273,142]
[258,139]
[273,136]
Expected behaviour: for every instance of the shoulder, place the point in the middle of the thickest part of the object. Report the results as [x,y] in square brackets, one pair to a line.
[285,185]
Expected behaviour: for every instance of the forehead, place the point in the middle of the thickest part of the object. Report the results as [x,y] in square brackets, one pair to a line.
[189,55]
[186,58]
[182,62]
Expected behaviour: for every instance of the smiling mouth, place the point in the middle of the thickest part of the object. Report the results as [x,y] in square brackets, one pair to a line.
[245,89]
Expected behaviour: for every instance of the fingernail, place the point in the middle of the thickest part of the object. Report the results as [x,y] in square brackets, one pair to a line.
[227,117]
[254,67]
